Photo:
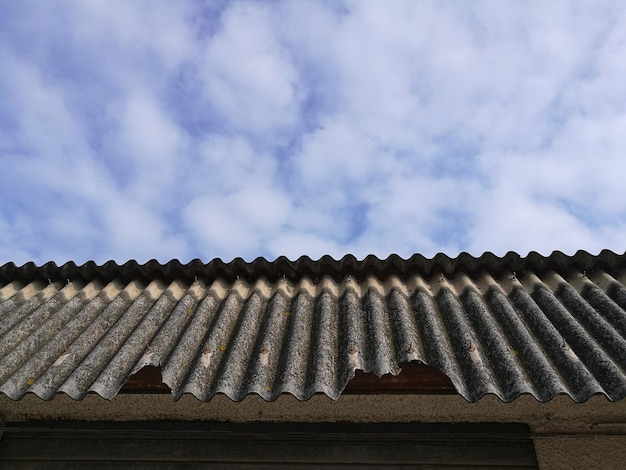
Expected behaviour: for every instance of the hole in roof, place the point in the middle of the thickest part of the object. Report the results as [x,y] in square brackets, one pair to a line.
[149,379]
[413,378]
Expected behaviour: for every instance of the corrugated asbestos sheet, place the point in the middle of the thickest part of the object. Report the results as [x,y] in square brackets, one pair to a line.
[507,326]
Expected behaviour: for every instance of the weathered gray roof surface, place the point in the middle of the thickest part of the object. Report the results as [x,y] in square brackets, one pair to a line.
[507,326]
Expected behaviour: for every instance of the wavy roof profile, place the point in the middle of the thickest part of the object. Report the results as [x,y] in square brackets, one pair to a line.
[507,326]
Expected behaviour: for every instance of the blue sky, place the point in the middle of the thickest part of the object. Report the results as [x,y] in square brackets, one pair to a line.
[140,130]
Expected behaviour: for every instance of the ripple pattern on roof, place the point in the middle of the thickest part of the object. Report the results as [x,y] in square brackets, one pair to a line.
[507,326]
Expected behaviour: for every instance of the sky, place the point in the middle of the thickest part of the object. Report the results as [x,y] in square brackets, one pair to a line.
[222,129]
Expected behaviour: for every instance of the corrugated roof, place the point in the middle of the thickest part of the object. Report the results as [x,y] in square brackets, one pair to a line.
[510,325]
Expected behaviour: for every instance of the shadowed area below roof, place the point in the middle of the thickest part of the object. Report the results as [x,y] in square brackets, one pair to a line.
[507,326]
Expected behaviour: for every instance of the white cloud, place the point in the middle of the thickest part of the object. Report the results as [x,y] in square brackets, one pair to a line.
[134,232]
[247,76]
[509,220]
[236,224]
[177,131]
[147,152]
[225,164]
[335,154]
[132,40]
[294,244]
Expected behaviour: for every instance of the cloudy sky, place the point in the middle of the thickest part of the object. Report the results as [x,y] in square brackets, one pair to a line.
[204,129]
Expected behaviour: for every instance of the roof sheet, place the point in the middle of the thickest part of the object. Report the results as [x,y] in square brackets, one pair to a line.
[510,325]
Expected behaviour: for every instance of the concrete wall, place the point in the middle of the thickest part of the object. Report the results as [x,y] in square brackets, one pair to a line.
[566,434]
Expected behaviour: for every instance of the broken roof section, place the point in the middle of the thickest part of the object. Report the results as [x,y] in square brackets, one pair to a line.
[511,325]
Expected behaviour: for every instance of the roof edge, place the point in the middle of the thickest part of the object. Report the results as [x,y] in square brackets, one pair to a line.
[304,266]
